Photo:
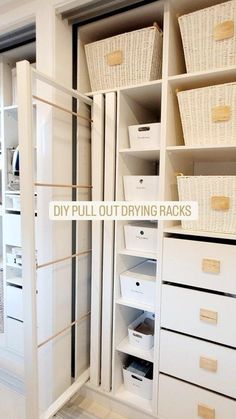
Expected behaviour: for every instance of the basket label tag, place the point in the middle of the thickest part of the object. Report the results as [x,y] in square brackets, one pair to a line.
[208,316]
[115,58]
[208,364]
[221,113]
[220,203]
[224,30]
[206,412]
[211,266]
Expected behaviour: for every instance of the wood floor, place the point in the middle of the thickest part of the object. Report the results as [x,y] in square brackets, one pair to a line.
[82,408]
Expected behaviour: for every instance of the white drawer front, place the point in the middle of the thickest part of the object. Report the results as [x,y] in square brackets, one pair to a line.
[187,401]
[199,314]
[203,363]
[15,335]
[14,302]
[13,229]
[200,264]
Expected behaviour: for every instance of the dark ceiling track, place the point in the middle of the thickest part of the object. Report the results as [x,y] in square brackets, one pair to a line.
[17,38]
[99,9]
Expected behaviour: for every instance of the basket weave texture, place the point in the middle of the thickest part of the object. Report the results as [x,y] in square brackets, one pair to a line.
[208,115]
[127,59]
[203,189]
[209,37]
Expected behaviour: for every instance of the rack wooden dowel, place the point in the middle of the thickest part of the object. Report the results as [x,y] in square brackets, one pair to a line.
[64,330]
[52,262]
[47,102]
[62,185]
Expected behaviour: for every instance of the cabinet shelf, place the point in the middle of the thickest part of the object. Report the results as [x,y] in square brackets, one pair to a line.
[179,230]
[151,155]
[205,153]
[129,349]
[133,400]
[203,78]
[134,304]
[146,255]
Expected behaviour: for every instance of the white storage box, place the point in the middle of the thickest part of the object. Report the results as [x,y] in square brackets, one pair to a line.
[141,188]
[14,302]
[208,115]
[126,59]
[141,236]
[209,37]
[138,284]
[145,136]
[13,230]
[137,383]
[141,331]
[216,197]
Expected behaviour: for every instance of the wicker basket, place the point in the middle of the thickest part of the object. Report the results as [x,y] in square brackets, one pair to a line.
[126,59]
[209,37]
[216,197]
[208,115]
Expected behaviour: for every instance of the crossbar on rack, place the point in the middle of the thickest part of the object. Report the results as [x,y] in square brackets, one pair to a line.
[62,185]
[64,330]
[71,92]
[78,115]
[52,262]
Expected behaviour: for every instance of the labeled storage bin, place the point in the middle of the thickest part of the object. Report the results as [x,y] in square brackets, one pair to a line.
[141,236]
[127,59]
[209,37]
[141,331]
[138,378]
[141,188]
[145,136]
[208,115]
[138,284]
[216,197]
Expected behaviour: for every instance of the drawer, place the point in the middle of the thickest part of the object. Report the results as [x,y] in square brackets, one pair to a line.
[200,314]
[200,264]
[15,335]
[190,402]
[199,362]
[14,302]
[13,229]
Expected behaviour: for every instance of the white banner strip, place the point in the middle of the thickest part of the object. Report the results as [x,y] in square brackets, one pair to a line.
[123,210]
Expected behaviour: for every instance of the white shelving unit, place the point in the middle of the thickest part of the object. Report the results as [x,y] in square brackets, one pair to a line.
[152,102]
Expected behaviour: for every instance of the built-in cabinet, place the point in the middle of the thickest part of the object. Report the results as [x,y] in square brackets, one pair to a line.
[194,344]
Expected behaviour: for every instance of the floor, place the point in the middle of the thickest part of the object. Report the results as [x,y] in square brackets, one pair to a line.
[80,408]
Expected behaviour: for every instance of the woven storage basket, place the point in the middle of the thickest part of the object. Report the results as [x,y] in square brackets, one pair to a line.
[216,197]
[126,59]
[209,37]
[208,115]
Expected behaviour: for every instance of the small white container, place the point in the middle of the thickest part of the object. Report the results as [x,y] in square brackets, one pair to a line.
[11,259]
[141,340]
[141,236]
[145,136]
[138,284]
[141,188]
[137,384]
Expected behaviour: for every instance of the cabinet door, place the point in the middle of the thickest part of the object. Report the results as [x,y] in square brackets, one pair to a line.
[205,315]
[179,400]
[196,361]
[200,264]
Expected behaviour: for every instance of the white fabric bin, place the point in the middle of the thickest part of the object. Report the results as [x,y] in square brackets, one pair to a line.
[137,338]
[145,136]
[141,188]
[141,236]
[138,283]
